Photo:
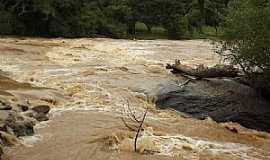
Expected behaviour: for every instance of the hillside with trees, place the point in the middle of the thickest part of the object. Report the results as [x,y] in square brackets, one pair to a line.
[112,18]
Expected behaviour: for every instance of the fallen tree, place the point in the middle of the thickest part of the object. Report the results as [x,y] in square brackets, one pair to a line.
[204,72]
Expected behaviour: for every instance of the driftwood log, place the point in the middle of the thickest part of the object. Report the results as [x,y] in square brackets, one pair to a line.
[203,71]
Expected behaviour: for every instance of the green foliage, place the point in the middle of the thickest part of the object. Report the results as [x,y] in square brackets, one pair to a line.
[6,22]
[206,12]
[9,24]
[172,18]
[76,18]
[247,37]
[177,27]
[69,18]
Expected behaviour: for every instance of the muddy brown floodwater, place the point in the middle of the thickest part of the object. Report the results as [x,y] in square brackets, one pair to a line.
[97,77]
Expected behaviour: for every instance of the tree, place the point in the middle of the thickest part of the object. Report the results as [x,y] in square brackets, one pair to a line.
[215,11]
[76,18]
[247,38]
[147,13]
[172,18]
[206,12]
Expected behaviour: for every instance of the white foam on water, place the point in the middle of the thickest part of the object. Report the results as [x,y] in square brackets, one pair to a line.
[59,110]
[43,124]
[29,141]
[168,144]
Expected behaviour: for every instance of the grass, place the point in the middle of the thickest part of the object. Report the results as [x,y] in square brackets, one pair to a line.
[208,33]
[159,32]
[156,32]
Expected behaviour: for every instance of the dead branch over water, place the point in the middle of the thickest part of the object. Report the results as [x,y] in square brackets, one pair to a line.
[138,126]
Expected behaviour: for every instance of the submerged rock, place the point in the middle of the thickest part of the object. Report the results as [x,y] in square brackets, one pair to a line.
[38,112]
[5,106]
[221,99]
[40,116]
[13,122]
[4,116]
[24,127]
[41,109]
[1,152]
[7,139]
[22,107]
[37,116]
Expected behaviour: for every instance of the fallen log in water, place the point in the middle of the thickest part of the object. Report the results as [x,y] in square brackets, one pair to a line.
[203,71]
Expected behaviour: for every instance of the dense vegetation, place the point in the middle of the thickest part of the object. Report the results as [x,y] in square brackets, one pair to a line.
[247,37]
[76,18]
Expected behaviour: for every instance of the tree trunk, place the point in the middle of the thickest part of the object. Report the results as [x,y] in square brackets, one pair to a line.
[202,10]
[149,28]
[131,28]
[204,72]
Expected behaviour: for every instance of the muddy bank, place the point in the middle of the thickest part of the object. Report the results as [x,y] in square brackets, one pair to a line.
[223,100]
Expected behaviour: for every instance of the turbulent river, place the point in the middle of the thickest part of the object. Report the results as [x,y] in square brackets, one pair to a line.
[97,79]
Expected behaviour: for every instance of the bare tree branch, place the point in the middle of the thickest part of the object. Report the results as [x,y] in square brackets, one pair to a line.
[139,129]
[127,125]
[131,114]
[185,83]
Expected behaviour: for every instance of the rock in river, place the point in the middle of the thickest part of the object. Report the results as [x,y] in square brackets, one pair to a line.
[39,112]
[41,109]
[223,100]
[38,116]
[5,105]
[12,122]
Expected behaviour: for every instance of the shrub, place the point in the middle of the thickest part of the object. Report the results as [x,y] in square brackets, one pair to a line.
[247,38]
[177,27]
[9,24]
